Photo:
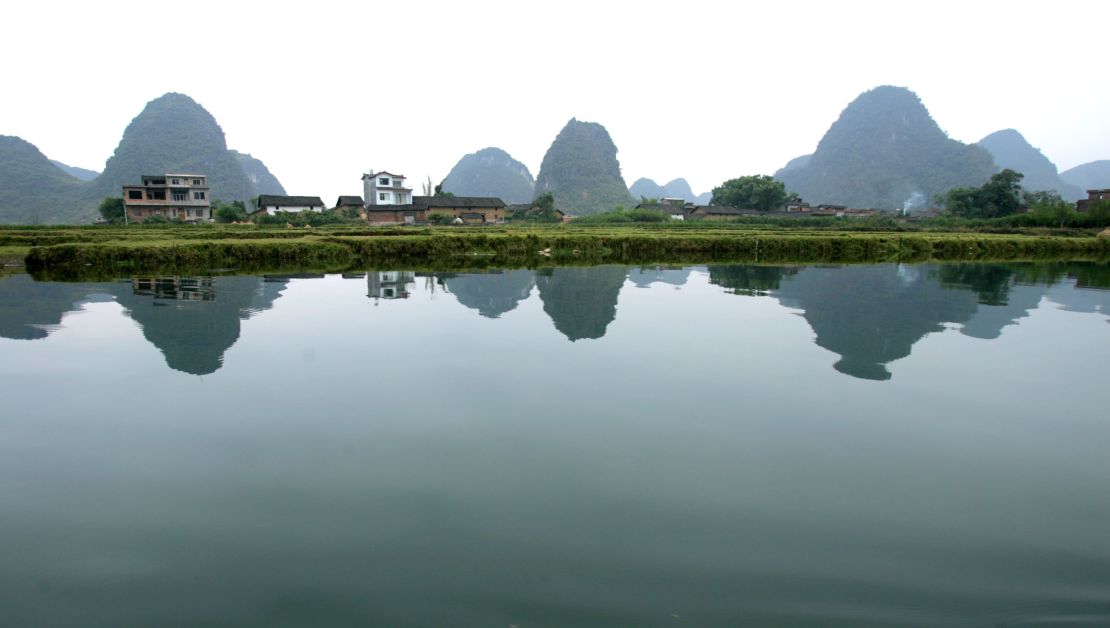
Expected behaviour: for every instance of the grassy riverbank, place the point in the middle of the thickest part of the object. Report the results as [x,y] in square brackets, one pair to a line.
[69,251]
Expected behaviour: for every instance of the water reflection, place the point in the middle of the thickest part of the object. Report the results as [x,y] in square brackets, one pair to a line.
[873,315]
[396,284]
[581,301]
[453,459]
[491,294]
[192,321]
[869,316]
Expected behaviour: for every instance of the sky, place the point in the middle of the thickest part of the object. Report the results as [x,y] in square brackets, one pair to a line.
[324,91]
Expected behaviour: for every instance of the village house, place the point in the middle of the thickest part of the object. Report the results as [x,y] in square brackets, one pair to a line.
[469,210]
[384,188]
[522,209]
[461,209]
[173,196]
[718,212]
[349,202]
[1093,196]
[272,204]
[386,201]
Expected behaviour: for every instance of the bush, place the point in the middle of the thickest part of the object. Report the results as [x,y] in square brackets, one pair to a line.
[622,215]
[235,212]
[301,219]
[440,218]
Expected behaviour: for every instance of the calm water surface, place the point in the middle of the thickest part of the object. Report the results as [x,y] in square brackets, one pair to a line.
[723,445]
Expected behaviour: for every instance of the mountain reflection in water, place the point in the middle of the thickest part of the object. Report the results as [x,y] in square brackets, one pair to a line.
[191,320]
[868,315]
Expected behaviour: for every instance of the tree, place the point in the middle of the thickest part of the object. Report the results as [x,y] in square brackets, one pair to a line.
[111,209]
[428,187]
[545,201]
[1001,196]
[759,191]
[439,192]
[235,212]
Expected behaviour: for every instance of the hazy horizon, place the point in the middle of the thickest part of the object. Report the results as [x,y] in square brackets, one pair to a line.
[706,93]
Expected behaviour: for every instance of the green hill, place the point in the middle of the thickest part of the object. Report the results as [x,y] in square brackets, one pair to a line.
[1010,150]
[172,134]
[32,189]
[261,179]
[883,151]
[491,172]
[1093,175]
[582,171]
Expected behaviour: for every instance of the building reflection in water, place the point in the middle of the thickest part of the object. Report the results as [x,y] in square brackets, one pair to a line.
[176,288]
[390,284]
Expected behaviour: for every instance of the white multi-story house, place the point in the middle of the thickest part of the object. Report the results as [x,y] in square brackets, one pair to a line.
[385,188]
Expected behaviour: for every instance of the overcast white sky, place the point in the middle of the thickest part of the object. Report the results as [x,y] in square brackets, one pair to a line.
[322,91]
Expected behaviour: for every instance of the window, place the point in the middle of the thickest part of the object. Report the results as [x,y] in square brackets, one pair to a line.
[383,181]
[176,181]
[135,195]
[180,196]
[156,195]
[196,181]
[382,196]
[199,196]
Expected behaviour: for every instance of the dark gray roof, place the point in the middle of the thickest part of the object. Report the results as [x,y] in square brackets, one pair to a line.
[457,202]
[724,210]
[345,201]
[273,200]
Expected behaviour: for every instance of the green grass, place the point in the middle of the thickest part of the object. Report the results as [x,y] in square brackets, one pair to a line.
[72,251]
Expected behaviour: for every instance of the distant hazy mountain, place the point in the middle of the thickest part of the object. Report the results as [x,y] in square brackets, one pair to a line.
[491,172]
[1094,175]
[678,188]
[646,188]
[1011,150]
[794,164]
[582,171]
[172,134]
[261,180]
[34,190]
[885,150]
[83,174]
